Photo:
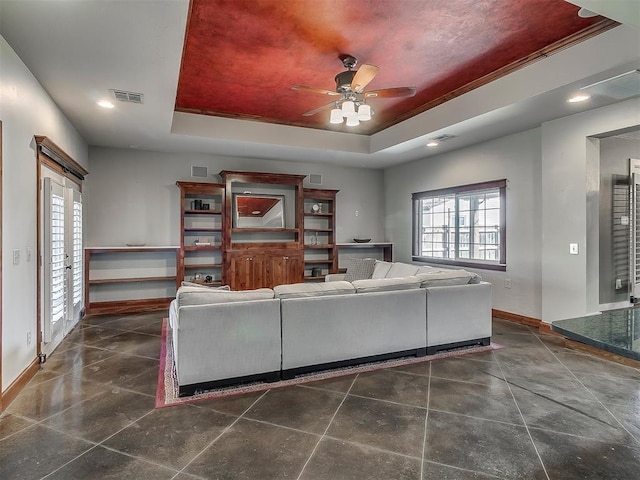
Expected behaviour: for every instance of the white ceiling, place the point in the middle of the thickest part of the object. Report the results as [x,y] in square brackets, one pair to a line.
[79,49]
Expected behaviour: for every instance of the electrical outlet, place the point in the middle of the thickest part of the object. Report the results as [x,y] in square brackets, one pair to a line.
[507,283]
[28,338]
[357,213]
[618,283]
[16,257]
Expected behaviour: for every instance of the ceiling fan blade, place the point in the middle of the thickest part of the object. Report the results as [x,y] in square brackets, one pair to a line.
[392,92]
[363,76]
[319,109]
[314,90]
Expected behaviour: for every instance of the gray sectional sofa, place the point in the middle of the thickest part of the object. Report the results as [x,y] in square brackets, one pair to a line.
[223,337]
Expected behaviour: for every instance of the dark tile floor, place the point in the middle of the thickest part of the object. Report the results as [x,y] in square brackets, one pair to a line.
[533,410]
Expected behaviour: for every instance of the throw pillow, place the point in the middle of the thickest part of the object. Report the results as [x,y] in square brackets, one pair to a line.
[360,268]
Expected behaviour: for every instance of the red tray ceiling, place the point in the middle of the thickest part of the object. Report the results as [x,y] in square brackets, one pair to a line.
[241,57]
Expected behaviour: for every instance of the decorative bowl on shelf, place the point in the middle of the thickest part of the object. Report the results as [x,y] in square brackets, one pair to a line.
[362,240]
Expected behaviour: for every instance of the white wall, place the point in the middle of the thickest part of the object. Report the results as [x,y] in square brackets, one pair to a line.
[133,194]
[570,189]
[25,110]
[516,158]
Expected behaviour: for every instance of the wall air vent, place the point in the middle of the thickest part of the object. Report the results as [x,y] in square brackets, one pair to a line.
[315,179]
[199,171]
[619,87]
[124,96]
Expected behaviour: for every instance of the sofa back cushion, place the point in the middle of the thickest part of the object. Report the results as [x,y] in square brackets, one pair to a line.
[386,284]
[381,269]
[445,277]
[206,296]
[300,290]
[359,268]
[399,269]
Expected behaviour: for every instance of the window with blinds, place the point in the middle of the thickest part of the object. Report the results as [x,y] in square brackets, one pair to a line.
[462,225]
[58,298]
[77,253]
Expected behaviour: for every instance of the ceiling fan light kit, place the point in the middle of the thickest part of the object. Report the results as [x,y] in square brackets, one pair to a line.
[364,113]
[352,120]
[348,108]
[350,87]
[336,116]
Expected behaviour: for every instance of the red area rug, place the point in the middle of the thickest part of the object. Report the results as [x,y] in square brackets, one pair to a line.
[167,391]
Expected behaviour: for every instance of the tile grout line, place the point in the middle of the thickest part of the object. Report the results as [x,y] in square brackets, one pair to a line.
[524,421]
[41,421]
[31,425]
[484,474]
[96,444]
[458,414]
[225,430]
[372,447]
[426,419]
[590,392]
[328,425]
[390,402]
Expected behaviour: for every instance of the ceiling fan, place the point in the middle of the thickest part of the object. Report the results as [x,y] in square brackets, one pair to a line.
[351,102]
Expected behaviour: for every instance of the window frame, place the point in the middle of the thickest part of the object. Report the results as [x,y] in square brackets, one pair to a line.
[500,264]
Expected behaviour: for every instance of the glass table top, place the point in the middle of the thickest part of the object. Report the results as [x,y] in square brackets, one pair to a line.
[616,331]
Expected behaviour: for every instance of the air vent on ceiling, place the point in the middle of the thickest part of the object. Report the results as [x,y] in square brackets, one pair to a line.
[315,179]
[443,138]
[619,87]
[199,171]
[124,96]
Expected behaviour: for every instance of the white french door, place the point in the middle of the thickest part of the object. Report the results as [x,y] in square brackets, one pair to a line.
[55,265]
[76,299]
[62,262]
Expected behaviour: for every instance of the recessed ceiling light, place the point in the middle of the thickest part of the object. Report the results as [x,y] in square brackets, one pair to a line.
[432,144]
[255,212]
[105,104]
[581,97]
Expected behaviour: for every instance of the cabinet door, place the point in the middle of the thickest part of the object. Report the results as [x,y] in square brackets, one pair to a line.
[295,269]
[284,268]
[246,272]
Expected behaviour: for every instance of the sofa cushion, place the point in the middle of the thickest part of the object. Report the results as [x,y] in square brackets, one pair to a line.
[381,269]
[360,268]
[206,296]
[299,290]
[386,284]
[399,269]
[446,277]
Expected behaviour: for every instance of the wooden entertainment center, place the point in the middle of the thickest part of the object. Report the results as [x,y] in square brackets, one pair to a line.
[227,245]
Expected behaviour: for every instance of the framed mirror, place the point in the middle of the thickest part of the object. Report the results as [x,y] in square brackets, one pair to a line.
[258,211]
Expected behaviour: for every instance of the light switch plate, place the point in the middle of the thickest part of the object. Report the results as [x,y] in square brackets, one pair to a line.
[573,248]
